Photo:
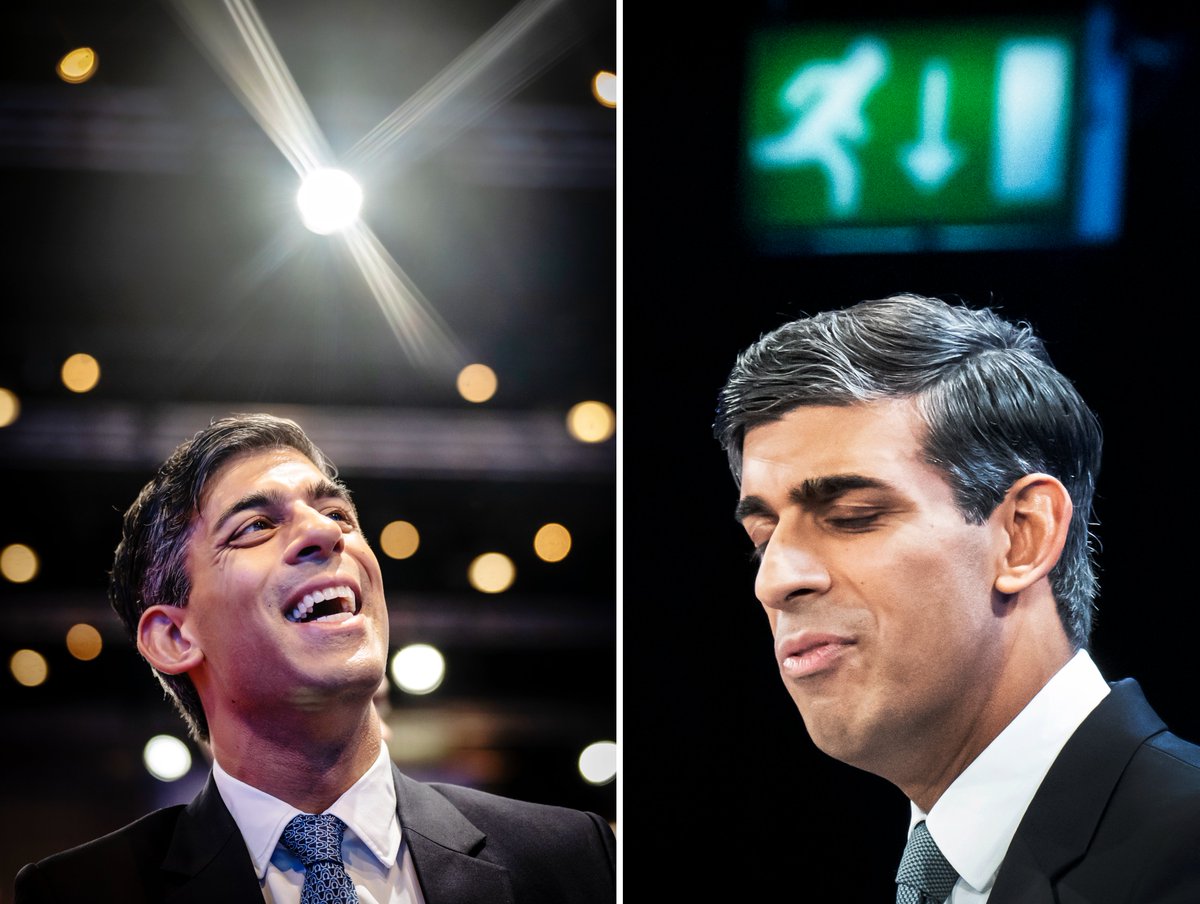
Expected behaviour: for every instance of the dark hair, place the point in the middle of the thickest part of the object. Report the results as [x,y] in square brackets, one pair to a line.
[150,565]
[994,407]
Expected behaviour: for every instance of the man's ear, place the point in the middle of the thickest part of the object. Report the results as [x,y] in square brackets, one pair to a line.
[1035,514]
[163,639]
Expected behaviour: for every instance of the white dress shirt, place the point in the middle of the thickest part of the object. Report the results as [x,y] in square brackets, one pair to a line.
[373,850]
[974,820]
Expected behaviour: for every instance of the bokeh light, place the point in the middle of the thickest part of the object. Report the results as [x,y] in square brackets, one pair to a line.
[598,762]
[28,667]
[80,372]
[329,201]
[78,65]
[418,668]
[477,382]
[552,542]
[591,422]
[399,540]
[18,563]
[83,642]
[167,758]
[604,88]
[10,407]
[492,572]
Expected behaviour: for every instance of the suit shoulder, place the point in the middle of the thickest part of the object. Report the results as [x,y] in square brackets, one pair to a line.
[1174,754]
[491,812]
[1152,822]
[1163,773]
[555,848]
[133,850]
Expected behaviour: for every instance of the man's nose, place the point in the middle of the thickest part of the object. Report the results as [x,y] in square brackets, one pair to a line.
[789,572]
[316,535]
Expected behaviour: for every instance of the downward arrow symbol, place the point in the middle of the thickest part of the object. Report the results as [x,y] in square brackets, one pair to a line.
[931,159]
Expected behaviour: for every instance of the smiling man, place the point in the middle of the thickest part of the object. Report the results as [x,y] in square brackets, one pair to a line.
[247,584]
[916,479]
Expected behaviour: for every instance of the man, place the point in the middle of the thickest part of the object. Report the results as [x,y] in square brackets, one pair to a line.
[248,586]
[916,479]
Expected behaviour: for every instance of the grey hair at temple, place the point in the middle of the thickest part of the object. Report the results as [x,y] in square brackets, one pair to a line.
[994,406]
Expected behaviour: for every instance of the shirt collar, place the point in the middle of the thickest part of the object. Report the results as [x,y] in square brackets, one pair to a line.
[975,819]
[368,808]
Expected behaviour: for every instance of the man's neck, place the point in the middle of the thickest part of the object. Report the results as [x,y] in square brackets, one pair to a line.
[308,763]
[995,712]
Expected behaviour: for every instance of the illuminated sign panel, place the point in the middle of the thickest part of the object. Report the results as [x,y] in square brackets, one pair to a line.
[933,135]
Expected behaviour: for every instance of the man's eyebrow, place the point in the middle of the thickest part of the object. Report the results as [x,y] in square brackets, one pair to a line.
[750,505]
[813,492]
[823,490]
[329,489]
[268,499]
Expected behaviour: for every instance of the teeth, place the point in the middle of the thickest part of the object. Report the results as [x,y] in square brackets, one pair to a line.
[305,606]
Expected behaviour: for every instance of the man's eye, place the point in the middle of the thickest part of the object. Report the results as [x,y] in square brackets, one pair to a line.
[760,547]
[340,515]
[251,527]
[855,522]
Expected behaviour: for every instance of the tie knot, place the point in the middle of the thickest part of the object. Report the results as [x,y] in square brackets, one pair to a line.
[924,869]
[314,839]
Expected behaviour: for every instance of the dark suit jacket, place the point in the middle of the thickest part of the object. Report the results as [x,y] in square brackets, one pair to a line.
[1117,818]
[468,847]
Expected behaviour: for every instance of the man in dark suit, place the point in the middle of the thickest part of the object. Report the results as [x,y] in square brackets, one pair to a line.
[246,583]
[917,479]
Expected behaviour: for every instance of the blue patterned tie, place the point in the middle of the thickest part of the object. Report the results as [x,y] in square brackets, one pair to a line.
[925,875]
[317,841]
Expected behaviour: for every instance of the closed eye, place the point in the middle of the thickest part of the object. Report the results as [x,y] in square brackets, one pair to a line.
[855,523]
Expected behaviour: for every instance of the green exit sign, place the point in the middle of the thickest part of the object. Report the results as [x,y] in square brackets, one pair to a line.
[925,135]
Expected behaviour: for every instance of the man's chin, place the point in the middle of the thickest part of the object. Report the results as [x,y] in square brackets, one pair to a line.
[835,736]
[345,683]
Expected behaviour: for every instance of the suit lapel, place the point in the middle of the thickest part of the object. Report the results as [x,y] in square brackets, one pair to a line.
[208,856]
[207,860]
[447,849]
[1062,817]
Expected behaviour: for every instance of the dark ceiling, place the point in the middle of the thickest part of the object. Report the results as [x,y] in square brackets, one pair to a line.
[151,224]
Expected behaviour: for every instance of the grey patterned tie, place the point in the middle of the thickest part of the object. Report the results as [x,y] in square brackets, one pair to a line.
[925,875]
[317,841]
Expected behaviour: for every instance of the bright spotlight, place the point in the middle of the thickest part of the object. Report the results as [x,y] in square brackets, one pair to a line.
[591,422]
[329,201]
[80,372]
[598,762]
[78,65]
[492,572]
[167,758]
[84,642]
[418,668]
[399,540]
[552,542]
[18,563]
[477,382]
[28,667]
[604,88]
[10,407]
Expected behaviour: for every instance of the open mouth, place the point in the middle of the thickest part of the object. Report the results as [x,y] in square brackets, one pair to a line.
[325,605]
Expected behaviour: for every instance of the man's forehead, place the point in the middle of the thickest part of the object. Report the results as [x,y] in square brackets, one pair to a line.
[825,435]
[243,472]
